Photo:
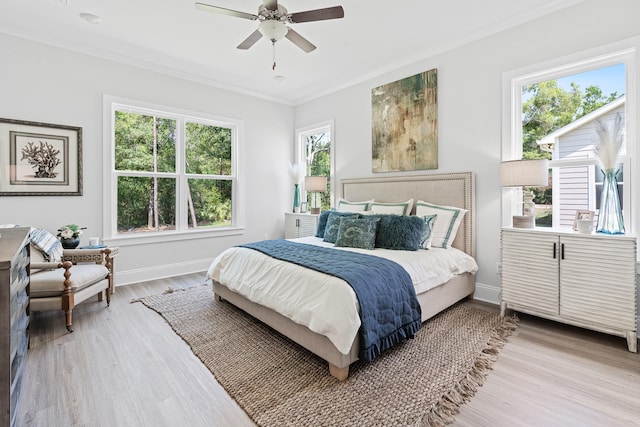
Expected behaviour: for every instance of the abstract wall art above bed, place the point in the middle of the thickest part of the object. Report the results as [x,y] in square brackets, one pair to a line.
[404,122]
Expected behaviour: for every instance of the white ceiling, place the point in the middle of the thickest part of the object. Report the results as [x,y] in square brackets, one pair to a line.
[172,37]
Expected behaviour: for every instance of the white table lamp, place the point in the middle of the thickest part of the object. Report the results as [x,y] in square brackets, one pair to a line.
[315,185]
[525,173]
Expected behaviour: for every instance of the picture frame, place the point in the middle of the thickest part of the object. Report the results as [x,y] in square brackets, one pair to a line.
[40,159]
[404,124]
[303,207]
[582,214]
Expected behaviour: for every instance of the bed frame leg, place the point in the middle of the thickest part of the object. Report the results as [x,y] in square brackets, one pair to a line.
[340,374]
[217,297]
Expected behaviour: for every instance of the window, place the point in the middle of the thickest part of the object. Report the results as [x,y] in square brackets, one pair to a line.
[552,114]
[315,151]
[170,172]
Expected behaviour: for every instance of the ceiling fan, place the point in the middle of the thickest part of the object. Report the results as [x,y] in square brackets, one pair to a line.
[273,19]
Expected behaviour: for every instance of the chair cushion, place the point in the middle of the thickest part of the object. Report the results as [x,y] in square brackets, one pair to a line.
[50,283]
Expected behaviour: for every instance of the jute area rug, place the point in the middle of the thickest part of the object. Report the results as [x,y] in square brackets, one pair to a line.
[421,382]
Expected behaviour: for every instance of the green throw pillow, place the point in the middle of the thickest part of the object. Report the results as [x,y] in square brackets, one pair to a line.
[324,216]
[333,224]
[398,232]
[357,233]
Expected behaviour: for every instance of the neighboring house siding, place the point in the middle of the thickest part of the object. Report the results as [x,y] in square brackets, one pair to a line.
[575,185]
[574,193]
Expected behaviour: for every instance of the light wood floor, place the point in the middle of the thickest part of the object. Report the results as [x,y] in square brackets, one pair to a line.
[124,366]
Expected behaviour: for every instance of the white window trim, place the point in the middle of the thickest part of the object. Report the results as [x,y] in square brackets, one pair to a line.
[301,135]
[512,83]
[109,184]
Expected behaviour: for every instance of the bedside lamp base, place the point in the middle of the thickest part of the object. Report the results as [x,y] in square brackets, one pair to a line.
[524,221]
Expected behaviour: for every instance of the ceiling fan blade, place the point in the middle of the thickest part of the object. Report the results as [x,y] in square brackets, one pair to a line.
[270,4]
[251,40]
[223,11]
[300,41]
[317,14]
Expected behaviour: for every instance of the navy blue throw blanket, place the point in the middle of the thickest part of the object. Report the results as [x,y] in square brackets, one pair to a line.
[389,308]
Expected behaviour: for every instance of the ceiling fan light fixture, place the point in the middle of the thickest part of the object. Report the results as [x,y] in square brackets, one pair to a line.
[91,18]
[273,30]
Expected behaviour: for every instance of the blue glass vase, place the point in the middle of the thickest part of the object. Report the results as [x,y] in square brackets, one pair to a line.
[296,198]
[610,219]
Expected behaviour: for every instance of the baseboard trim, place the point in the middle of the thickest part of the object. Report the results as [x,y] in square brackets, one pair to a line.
[129,277]
[487,293]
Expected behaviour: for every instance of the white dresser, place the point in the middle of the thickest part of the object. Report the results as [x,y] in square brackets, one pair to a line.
[299,225]
[586,280]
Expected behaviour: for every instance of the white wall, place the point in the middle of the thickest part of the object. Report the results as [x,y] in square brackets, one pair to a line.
[41,83]
[469,106]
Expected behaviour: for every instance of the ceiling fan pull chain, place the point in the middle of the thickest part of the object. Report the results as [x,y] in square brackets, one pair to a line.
[273,43]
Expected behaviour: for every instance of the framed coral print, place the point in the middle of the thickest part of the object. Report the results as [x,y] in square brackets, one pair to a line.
[40,159]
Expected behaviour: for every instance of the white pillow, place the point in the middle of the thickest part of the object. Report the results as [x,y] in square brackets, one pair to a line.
[347,206]
[446,227]
[403,208]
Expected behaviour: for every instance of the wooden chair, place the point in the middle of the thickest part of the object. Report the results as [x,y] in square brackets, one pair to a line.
[81,274]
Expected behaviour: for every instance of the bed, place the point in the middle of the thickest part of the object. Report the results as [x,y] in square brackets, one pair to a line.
[448,189]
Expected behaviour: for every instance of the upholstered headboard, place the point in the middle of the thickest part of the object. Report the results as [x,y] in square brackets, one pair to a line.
[450,189]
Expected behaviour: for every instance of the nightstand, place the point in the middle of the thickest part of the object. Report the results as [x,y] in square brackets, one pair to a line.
[300,225]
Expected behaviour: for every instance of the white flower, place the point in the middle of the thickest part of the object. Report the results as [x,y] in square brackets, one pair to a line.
[70,231]
[608,143]
[67,233]
[296,172]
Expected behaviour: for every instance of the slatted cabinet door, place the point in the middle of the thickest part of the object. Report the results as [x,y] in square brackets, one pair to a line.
[597,281]
[530,272]
[586,280]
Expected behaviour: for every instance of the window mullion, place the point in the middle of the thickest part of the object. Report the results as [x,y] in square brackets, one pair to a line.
[181,185]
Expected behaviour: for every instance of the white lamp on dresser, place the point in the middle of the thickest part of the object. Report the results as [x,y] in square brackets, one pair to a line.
[525,173]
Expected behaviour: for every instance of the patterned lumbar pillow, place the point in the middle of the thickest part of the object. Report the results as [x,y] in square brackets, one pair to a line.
[357,233]
[47,244]
[333,225]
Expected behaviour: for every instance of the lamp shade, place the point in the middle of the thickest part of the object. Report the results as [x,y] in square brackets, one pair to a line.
[315,184]
[524,173]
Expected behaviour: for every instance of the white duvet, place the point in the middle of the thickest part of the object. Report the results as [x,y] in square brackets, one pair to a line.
[323,303]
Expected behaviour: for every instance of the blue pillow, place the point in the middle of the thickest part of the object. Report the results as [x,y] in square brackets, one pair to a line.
[427,232]
[324,216]
[333,225]
[398,232]
[357,233]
